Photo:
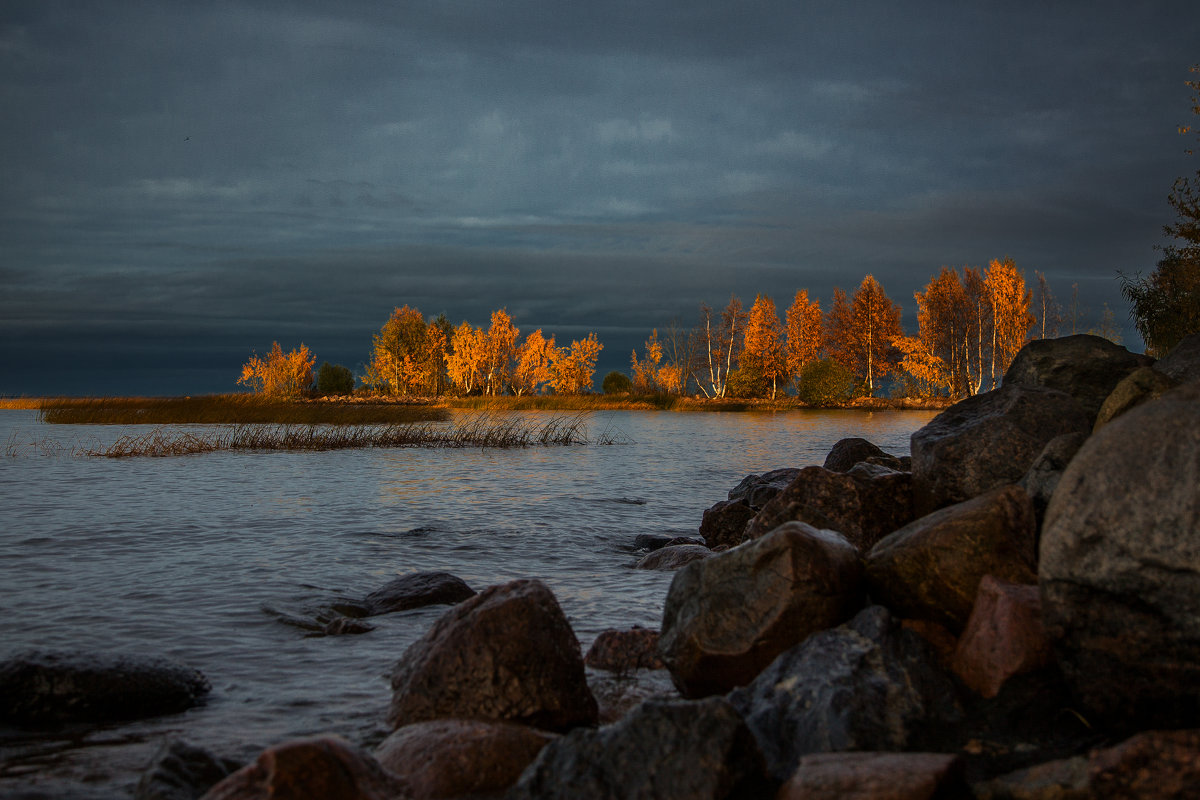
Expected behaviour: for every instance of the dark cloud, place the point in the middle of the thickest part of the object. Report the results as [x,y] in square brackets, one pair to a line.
[185,182]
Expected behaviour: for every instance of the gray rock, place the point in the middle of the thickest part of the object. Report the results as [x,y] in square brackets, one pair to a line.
[506,654]
[663,749]
[1120,564]
[657,541]
[417,590]
[625,650]
[865,685]
[848,452]
[1044,474]
[46,688]
[1140,386]
[931,568]
[724,523]
[728,617]
[988,441]
[1084,366]
[757,490]
[181,771]
[673,557]
[1182,364]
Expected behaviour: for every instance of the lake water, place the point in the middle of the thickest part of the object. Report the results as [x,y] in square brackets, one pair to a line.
[198,558]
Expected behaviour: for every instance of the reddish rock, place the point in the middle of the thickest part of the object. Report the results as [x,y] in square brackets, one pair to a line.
[875,776]
[673,556]
[455,757]
[931,568]
[506,654]
[326,768]
[624,651]
[725,523]
[1004,636]
[1152,765]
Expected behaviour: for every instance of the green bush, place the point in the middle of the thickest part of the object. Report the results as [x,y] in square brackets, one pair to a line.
[334,379]
[617,383]
[747,382]
[826,383]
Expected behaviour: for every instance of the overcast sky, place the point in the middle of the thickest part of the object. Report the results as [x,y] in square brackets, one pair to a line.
[186,182]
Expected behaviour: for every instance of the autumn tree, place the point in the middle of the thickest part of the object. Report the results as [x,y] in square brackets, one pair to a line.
[501,350]
[679,347]
[763,353]
[980,326]
[465,362]
[573,368]
[805,335]
[280,374]
[533,363]
[1048,310]
[400,354]
[940,354]
[645,370]
[861,331]
[717,338]
[1011,320]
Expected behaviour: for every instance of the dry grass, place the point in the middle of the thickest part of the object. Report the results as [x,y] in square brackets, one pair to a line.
[20,403]
[477,432]
[232,409]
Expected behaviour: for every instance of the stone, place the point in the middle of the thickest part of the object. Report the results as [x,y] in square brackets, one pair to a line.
[987,441]
[931,568]
[417,590]
[1119,566]
[618,693]
[506,654]
[1044,474]
[657,541]
[324,768]
[663,749]
[1004,636]
[1140,386]
[866,685]
[624,650]
[757,490]
[182,771]
[40,688]
[673,557]
[341,626]
[1084,366]
[724,523]
[848,452]
[1147,766]
[864,507]
[456,757]
[1062,779]
[1182,364]
[728,617]
[876,776]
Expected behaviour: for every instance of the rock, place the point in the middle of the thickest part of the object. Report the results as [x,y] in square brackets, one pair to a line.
[876,776]
[673,557]
[47,688]
[931,568]
[457,757]
[724,523]
[326,768]
[1182,364]
[987,441]
[1139,386]
[506,654]
[728,617]
[1120,565]
[340,626]
[181,771]
[1063,779]
[848,452]
[679,749]
[1084,366]
[657,541]
[1147,766]
[624,651]
[757,490]
[938,637]
[1044,474]
[865,685]
[618,693]
[864,507]
[1004,636]
[416,590]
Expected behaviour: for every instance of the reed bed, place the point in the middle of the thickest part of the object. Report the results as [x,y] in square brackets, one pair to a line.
[232,409]
[482,432]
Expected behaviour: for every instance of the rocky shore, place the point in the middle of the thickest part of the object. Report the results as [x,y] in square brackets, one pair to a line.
[1011,613]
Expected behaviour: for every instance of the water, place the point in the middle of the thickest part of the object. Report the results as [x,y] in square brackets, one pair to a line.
[198,558]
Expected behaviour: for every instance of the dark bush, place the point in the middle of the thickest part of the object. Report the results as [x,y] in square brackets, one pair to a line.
[617,383]
[826,383]
[334,379]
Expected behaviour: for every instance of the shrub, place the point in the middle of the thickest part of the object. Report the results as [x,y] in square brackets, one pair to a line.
[617,383]
[826,382]
[334,379]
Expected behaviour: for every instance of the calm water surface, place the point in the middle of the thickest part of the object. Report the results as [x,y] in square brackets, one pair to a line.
[199,557]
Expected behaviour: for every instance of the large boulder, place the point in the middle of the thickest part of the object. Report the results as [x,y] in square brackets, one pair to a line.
[47,688]
[724,523]
[663,749]
[458,757]
[1120,564]
[1044,474]
[864,505]
[506,654]
[416,590]
[182,771]
[729,616]
[1084,366]
[876,776]
[1182,364]
[757,490]
[866,685]
[325,768]
[931,568]
[987,441]
[1140,386]
[845,453]
[673,556]
[624,650]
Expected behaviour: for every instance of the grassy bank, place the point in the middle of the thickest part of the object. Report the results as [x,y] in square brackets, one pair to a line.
[675,403]
[232,409]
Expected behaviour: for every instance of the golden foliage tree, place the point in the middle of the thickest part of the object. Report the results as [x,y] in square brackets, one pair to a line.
[928,372]
[280,374]
[805,336]
[718,338]
[573,368]
[465,362]
[532,371]
[1011,320]
[645,371]
[400,354]
[861,331]
[945,322]
[762,349]
[501,351]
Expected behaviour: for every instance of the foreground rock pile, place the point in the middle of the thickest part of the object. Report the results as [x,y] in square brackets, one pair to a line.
[1012,613]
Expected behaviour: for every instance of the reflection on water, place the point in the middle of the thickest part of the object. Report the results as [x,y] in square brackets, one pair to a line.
[186,556]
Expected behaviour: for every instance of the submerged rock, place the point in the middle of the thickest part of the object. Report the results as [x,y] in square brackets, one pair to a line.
[673,556]
[506,654]
[47,688]
[181,771]
[417,590]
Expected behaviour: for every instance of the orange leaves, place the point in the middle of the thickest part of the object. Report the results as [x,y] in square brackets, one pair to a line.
[573,369]
[805,333]
[861,331]
[533,363]
[280,374]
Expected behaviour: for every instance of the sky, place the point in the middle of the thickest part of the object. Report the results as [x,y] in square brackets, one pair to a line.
[186,182]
